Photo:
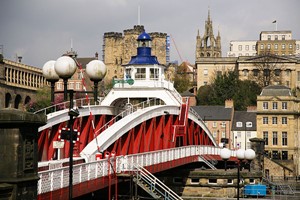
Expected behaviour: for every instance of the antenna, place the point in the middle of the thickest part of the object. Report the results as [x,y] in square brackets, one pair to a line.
[71,44]
[139,15]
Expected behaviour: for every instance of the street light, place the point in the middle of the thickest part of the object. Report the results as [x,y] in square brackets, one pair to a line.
[225,155]
[241,154]
[64,67]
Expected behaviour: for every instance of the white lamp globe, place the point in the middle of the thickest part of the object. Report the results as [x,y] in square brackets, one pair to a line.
[49,71]
[225,153]
[96,70]
[249,154]
[65,67]
[240,154]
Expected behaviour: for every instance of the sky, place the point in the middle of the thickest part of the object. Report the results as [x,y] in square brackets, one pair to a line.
[42,30]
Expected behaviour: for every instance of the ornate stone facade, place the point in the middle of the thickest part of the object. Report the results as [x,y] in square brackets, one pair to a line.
[118,49]
[208,45]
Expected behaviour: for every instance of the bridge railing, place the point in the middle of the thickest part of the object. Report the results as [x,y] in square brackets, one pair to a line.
[130,109]
[65,105]
[54,179]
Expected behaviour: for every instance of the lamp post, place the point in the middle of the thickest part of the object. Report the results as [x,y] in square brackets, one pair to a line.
[64,67]
[242,154]
[225,155]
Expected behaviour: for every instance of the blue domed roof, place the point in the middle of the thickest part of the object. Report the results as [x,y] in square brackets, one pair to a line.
[144,36]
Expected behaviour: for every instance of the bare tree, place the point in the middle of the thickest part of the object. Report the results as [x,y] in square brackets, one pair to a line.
[267,70]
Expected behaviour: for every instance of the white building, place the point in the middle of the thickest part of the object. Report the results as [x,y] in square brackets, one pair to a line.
[242,48]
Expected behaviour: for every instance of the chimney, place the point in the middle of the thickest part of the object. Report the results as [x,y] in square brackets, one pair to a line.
[228,103]
[251,109]
[96,55]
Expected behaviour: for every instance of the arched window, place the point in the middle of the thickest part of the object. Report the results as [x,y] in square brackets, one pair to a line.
[17,101]
[7,100]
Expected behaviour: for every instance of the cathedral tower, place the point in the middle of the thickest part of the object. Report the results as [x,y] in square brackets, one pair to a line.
[208,45]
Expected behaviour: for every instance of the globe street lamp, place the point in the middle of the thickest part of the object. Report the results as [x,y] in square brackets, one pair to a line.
[65,67]
[225,155]
[241,154]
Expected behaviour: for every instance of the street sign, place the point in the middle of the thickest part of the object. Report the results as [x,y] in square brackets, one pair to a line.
[58,144]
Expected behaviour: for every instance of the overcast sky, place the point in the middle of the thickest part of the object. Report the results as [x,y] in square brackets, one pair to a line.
[42,30]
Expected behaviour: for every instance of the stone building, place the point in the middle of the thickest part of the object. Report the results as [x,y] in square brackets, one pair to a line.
[18,83]
[272,42]
[278,124]
[264,69]
[119,47]
[208,45]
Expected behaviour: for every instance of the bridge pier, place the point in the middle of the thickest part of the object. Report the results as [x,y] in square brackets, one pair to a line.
[18,154]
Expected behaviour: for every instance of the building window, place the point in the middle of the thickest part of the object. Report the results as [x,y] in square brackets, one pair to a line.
[269,37]
[283,46]
[284,105]
[140,73]
[229,181]
[276,46]
[255,72]
[265,120]
[266,137]
[205,83]
[223,134]
[252,181]
[274,120]
[284,138]
[269,46]
[77,86]
[154,73]
[245,72]
[275,155]
[240,48]
[223,124]
[275,138]
[276,37]
[214,124]
[275,105]
[194,180]
[283,37]
[215,134]
[247,47]
[71,85]
[239,124]
[284,120]
[265,105]
[277,72]
[212,181]
[290,46]
[284,155]
[253,47]
[297,46]
[261,46]
[205,72]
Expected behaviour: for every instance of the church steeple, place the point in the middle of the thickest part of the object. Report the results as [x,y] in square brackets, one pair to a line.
[208,45]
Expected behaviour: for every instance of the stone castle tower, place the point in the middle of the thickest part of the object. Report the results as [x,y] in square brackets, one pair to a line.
[208,45]
[118,49]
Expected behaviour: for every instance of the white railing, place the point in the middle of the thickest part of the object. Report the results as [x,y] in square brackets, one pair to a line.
[130,109]
[66,105]
[54,179]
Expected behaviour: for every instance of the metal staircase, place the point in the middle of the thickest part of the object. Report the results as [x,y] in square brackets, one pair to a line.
[279,187]
[152,185]
[211,165]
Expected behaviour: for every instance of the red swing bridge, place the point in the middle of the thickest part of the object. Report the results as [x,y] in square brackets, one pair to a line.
[143,126]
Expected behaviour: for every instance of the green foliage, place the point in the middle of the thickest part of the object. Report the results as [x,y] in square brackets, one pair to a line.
[228,86]
[182,79]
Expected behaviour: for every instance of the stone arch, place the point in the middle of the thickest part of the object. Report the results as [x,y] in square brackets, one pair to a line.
[8,100]
[18,100]
[27,100]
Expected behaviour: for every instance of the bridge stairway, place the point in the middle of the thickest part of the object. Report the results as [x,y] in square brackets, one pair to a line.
[280,188]
[152,185]
[211,165]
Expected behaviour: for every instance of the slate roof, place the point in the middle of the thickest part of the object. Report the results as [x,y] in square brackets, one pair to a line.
[276,90]
[244,116]
[213,113]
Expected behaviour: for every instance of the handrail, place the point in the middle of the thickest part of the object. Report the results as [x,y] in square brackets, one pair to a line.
[154,183]
[54,179]
[130,110]
[64,105]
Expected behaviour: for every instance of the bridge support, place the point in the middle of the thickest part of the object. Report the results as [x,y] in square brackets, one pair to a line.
[18,154]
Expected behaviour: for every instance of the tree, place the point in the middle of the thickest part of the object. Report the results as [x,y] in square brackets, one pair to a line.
[228,86]
[267,70]
[182,79]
